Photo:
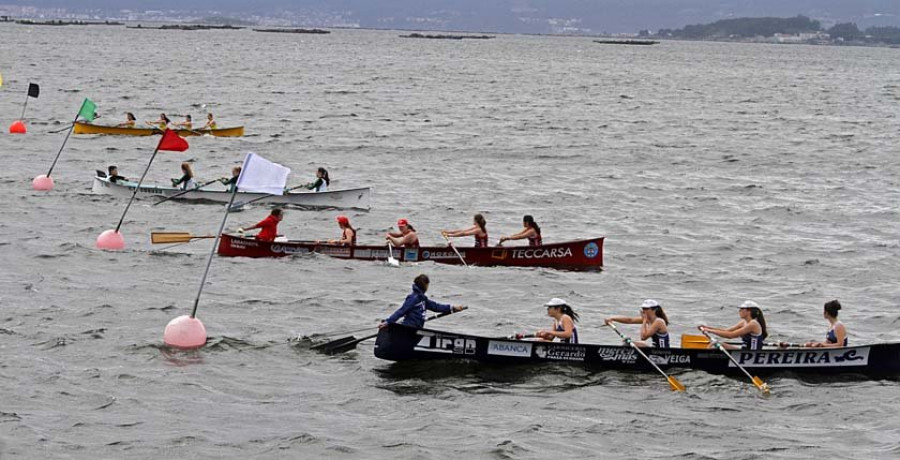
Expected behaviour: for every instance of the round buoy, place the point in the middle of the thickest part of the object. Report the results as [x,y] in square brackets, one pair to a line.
[111,240]
[42,182]
[17,127]
[185,332]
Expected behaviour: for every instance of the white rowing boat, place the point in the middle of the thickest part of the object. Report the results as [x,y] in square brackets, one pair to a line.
[356,198]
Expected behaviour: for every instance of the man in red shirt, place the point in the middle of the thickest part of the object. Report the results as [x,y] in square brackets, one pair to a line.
[268,227]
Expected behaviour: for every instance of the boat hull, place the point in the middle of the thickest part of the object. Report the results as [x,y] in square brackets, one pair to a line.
[338,199]
[401,343]
[574,255]
[88,128]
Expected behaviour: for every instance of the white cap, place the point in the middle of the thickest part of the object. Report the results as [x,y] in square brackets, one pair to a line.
[650,303]
[555,302]
[749,304]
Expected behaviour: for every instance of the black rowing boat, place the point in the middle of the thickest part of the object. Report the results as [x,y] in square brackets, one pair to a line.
[402,343]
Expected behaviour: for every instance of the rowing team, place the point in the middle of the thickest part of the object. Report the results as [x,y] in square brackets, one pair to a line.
[751,328]
[406,235]
[187,182]
[163,122]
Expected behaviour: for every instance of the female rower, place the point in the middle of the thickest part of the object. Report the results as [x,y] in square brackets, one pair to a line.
[751,328]
[187,178]
[163,122]
[232,182]
[564,319]
[348,233]
[210,122]
[478,230]
[406,237]
[186,124]
[129,122]
[531,231]
[322,181]
[653,321]
[837,335]
[268,227]
[114,174]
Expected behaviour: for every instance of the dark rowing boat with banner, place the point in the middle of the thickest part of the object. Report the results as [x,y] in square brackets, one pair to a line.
[572,255]
[402,343]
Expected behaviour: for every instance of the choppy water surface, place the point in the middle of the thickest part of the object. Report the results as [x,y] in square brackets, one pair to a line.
[718,172]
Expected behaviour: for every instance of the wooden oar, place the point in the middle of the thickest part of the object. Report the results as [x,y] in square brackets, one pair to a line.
[348,343]
[174,237]
[391,260]
[700,341]
[763,386]
[673,382]
[454,250]
[186,191]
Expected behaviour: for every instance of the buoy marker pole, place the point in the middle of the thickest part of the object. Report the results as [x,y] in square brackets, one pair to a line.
[212,252]
[136,189]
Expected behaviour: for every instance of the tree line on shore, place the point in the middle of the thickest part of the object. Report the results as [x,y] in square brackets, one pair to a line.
[743,28]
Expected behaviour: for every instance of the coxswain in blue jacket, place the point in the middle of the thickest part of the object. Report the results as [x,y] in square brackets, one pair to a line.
[413,309]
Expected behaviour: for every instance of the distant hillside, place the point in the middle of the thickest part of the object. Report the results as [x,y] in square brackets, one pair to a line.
[746,28]
[525,16]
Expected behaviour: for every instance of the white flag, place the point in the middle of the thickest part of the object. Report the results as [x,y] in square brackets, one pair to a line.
[262,176]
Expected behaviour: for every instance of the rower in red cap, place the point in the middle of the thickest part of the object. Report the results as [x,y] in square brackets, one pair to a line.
[405,238]
[348,233]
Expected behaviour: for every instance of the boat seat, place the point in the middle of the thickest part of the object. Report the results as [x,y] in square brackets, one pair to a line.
[100,174]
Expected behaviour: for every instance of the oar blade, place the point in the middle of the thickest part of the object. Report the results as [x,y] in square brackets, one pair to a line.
[333,343]
[675,384]
[170,237]
[763,386]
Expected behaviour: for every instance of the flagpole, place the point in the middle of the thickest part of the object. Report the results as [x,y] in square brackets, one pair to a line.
[26,105]
[212,251]
[136,189]
[71,128]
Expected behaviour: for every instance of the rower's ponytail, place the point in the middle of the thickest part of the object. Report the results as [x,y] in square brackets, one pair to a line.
[568,311]
[661,314]
[757,314]
[482,224]
[528,219]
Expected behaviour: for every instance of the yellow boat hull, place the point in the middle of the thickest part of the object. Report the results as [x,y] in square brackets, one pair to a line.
[87,128]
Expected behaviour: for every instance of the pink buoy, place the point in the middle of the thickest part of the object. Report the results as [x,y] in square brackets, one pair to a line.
[42,183]
[185,332]
[111,240]
[17,127]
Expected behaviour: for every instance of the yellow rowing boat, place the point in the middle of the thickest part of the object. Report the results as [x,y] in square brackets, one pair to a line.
[88,128]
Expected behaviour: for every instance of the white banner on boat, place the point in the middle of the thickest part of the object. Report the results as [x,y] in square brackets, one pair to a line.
[262,176]
[837,357]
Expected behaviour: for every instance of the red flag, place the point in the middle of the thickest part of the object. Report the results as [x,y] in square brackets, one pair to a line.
[171,141]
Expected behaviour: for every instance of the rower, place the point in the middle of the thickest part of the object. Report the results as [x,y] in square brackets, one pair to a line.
[478,230]
[322,181]
[531,231]
[348,233]
[751,328]
[564,319]
[114,174]
[406,237]
[129,122]
[837,335]
[163,122]
[653,321]
[232,182]
[413,309]
[210,122]
[187,177]
[186,124]
[268,227]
